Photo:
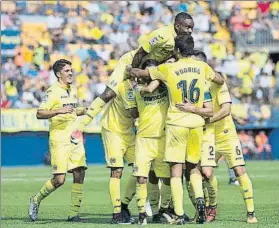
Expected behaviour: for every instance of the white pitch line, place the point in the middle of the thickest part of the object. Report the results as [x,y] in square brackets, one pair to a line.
[106,179]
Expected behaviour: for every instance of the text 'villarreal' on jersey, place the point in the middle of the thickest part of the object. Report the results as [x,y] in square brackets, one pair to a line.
[58,96]
[152,110]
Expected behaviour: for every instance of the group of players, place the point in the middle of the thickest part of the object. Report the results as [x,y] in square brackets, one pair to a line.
[181,109]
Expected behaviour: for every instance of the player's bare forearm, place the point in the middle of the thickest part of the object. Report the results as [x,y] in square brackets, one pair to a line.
[222,113]
[205,111]
[138,57]
[134,113]
[151,87]
[139,73]
[107,95]
[219,79]
[46,114]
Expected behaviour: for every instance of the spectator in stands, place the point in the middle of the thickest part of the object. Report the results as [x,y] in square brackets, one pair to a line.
[263,146]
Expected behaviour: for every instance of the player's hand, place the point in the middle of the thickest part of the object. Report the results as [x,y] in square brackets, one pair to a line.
[128,72]
[134,72]
[76,137]
[186,106]
[65,110]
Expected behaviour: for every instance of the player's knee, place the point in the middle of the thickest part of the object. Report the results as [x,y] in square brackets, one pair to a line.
[152,177]
[107,95]
[79,175]
[176,169]
[239,170]
[207,174]
[142,180]
[58,181]
[116,173]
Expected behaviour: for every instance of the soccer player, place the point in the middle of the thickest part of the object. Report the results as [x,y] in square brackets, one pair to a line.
[60,107]
[119,143]
[228,145]
[185,81]
[157,45]
[150,146]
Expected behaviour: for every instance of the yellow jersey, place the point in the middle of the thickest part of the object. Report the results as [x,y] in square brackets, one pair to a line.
[184,79]
[117,118]
[152,110]
[159,44]
[56,97]
[221,95]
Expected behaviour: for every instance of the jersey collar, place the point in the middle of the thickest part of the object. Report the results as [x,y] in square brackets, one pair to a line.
[173,31]
[62,86]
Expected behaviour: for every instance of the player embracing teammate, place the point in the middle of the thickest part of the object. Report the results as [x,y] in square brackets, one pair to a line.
[184,120]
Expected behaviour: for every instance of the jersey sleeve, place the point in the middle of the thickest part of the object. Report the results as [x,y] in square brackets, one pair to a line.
[159,72]
[223,95]
[48,101]
[207,97]
[209,73]
[128,95]
[151,41]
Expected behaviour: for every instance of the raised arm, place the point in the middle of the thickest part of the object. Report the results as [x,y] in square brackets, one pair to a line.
[218,79]
[141,53]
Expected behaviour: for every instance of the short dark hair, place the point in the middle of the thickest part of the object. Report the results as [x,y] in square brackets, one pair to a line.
[200,54]
[182,16]
[185,44]
[149,63]
[59,64]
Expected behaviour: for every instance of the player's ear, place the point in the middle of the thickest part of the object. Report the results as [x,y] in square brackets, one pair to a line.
[58,74]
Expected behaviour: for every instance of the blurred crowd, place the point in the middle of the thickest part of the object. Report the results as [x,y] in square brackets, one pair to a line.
[93,35]
[255,145]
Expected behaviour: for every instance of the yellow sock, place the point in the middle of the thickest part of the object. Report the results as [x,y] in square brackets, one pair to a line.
[76,198]
[44,192]
[191,193]
[114,191]
[212,188]
[130,190]
[247,191]
[196,182]
[205,193]
[177,195]
[141,194]
[165,195]
[95,107]
[154,197]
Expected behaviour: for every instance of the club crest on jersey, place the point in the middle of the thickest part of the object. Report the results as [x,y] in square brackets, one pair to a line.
[155,40]
[135,169]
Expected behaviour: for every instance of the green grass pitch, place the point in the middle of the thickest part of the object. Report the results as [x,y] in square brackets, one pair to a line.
[18,184]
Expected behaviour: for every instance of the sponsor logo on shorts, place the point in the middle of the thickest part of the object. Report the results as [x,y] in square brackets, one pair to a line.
[54,167]
[239,158]
[112,160]
[135,169]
